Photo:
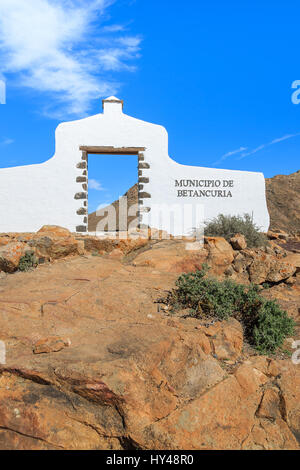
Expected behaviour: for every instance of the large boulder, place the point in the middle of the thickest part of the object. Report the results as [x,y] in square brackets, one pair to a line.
[10,256]
[280,270]
[268,268]
[53,242]
[220,254]
[238,242]
[54,231]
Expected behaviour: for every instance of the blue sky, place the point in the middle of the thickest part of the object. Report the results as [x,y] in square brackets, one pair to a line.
[218,75]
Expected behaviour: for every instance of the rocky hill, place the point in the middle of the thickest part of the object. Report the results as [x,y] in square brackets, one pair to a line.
[283,198]
[132,198]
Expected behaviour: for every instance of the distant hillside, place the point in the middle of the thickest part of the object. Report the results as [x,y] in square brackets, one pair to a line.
[283,198]
[132,198]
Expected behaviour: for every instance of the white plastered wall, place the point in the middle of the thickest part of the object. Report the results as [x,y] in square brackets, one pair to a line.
[44,194]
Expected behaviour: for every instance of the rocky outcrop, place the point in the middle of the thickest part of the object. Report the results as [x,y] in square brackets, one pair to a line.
[269,268]
[95,361]
[52,243]
[275,263]
[284,202]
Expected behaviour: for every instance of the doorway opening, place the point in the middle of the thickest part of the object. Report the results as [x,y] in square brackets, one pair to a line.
[110,178]
[108,174]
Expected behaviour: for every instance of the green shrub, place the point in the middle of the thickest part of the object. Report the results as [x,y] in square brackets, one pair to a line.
[28,261]
[265,324]
[272,327]
[227,226]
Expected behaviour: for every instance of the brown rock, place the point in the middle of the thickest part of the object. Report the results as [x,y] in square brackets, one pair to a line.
[46,245]
[238,242]
[51,344]
[35,416]
[273,369]
[283,236]
[270,405]
[228,343]
[249,378]
[268,434]
[294,260]
[10,256]
[260,363]
[291,281]
[267,268]
[204,343]
[222,418]
[259,268]
[239,263]
[272,235]
[220,254]
[279,271]
[283,202]
[171,256]
[268,366]
[55,231]
[289,383]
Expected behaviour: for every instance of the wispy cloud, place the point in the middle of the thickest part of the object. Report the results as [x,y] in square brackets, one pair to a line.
[63,48]
[268,144]
[5,142]
[244,153]
[229,154]
[94,184]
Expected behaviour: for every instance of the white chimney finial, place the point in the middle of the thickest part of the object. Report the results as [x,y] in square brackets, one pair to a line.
[112,100]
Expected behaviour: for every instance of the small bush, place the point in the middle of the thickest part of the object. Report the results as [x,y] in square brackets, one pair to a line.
[272,327]
[28,261]
[265,324]
[227,226]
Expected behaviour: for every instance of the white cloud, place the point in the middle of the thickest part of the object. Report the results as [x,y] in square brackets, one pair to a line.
[6,142]
[94,184]
[263,146]
[229,154]
[285,137]
[114,28]
[242,150]
[62,48]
